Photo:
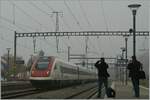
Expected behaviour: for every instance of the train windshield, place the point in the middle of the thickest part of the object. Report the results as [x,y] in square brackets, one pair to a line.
[42,65]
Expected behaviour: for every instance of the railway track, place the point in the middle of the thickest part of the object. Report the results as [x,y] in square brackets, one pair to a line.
[14,89]
[17,93]
[86,91]
[14,85]
[63,93]
[86,94]
[82,92]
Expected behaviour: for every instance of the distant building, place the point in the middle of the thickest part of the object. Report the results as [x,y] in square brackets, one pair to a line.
[4,67]
[8,71]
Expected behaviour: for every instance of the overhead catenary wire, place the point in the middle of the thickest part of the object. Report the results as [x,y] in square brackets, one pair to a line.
[69,9]
[56,12]
[72,14]
[103,11]
[66,23]
[100,6]
[107,22]
[9,41]
[93,46]
[41,10]
[88,22]
[48,6]
[51,8]
[84,14]
[47,43]
[14,20]
[97,41]
[25,13]
[45,40]
[4,27]
[18,25]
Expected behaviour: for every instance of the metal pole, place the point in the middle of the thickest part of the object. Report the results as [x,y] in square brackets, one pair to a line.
[122,54]
[86,49]
[8,49]
[34,44]
[68,53]
[57,28]
[126,46]
[134,30]
[15,46]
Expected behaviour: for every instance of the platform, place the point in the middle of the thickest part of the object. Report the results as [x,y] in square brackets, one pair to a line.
[126,91]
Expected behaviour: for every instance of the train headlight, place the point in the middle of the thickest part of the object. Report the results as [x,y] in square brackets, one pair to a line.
[32,72]
[47,72]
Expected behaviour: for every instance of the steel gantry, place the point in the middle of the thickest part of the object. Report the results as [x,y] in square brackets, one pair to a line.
[82,33]
[79,33]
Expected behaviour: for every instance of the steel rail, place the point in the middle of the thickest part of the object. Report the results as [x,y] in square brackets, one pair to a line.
[18,93]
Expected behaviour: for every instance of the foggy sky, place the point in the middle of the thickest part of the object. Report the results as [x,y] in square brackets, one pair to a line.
[87,15]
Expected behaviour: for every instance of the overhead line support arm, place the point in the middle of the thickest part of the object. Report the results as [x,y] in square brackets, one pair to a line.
[82,33]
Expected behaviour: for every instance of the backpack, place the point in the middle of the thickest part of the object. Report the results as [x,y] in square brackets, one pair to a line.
[110,92]
[141,74]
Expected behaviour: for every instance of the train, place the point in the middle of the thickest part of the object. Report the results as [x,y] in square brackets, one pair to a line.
[52,72]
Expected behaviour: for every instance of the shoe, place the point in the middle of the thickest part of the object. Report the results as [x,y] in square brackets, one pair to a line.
[98,96]
[136,96]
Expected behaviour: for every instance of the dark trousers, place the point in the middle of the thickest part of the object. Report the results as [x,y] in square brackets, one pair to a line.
[102,80]
[135,82]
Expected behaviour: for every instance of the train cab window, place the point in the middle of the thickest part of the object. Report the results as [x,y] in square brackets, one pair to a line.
[55,68]
[42,65]
[57,65]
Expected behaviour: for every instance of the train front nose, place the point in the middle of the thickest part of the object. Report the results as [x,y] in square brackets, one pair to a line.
[44,73]
[42,68]
[40,73]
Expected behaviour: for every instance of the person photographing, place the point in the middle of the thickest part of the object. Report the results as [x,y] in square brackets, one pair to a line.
[103,75]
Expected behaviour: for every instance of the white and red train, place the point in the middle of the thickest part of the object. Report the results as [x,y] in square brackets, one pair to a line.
[53,72]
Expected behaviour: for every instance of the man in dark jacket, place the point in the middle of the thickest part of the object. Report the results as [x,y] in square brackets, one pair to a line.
[103,75]
[134,67]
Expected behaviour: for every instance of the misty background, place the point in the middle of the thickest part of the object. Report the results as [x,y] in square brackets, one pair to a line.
[76,15]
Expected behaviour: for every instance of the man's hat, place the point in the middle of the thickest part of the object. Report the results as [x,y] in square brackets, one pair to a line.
[102,58]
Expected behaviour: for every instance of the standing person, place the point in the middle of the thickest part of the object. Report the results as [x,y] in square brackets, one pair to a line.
[134,67]
[103,75]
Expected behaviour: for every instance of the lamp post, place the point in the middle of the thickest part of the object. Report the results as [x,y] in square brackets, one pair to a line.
[126,55]
[8,49]
[134,8]
[122,68]
[123,50]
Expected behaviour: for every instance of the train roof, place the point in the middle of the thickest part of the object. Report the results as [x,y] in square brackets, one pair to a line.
[81,68]
[66,62]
